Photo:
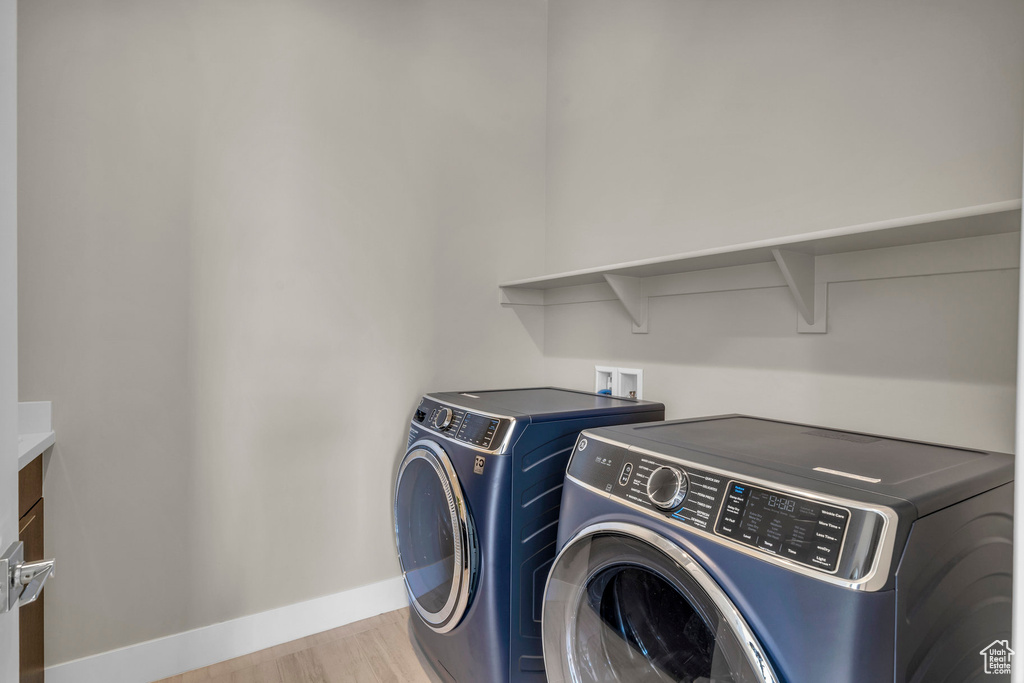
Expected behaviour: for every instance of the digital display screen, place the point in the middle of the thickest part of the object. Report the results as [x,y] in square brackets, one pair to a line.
[478,430]
[780,503]
[795,528]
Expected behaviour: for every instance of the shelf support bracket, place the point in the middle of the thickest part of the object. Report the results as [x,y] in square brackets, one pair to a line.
[811,297]
[633,295]
[520,296]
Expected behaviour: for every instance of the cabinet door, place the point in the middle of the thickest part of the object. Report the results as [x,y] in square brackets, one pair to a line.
[30,487]
[31,535]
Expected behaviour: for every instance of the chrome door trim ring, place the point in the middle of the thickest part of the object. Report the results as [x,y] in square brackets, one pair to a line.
[744,634]
[463,535]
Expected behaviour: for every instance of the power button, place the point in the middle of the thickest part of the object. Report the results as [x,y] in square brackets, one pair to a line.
[626,471]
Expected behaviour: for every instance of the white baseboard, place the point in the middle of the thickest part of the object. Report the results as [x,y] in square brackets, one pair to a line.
[164,657]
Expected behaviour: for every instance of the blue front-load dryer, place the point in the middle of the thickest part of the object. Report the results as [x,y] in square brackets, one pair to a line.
[476,515]
[742,550]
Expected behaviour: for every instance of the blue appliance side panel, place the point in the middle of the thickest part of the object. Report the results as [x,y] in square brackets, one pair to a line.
[812,631]
[954,587]
[477,649]
[540,457]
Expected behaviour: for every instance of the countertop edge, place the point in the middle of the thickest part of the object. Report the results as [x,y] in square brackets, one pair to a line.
[31,445]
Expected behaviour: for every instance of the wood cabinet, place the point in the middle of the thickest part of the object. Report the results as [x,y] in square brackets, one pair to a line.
[30,509]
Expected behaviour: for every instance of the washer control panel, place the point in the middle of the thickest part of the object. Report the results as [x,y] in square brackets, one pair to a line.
[769,521]
[484,432]
[666,487]
[798,529]
[690,495]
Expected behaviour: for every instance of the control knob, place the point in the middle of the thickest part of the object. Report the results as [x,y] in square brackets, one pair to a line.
[666,487]
[443,418]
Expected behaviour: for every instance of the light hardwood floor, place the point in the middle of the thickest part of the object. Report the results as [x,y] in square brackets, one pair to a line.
[375,650]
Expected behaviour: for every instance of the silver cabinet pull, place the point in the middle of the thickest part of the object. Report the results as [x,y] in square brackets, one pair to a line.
[20,580]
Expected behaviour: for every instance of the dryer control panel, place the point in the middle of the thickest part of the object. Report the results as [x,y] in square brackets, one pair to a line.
[477,430]
[772,521]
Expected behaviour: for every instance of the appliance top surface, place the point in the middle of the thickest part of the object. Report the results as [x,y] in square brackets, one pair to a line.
[931,476]
[543,401]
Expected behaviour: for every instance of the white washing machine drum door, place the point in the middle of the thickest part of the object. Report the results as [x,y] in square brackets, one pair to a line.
[437,544]
[624,604]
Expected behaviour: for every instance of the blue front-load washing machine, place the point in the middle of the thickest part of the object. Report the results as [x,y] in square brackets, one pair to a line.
[742,550]
[476,515]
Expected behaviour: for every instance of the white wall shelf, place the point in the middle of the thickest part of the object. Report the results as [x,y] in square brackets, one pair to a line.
[969,239]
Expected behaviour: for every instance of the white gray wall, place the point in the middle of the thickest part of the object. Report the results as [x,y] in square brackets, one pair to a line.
[675,126]
[8,317]
[930,358]
[241,222]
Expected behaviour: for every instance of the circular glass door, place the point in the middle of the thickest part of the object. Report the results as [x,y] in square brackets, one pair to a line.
[436,540]
[624,604]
